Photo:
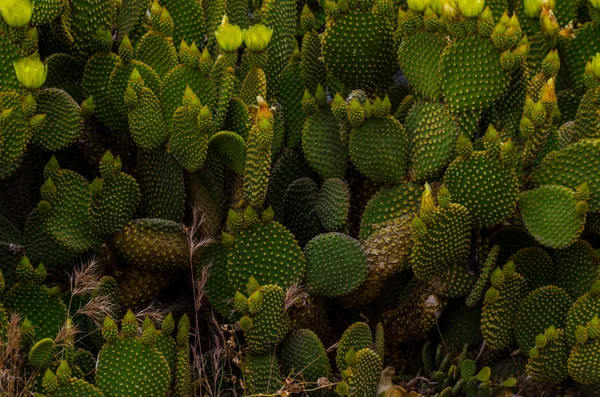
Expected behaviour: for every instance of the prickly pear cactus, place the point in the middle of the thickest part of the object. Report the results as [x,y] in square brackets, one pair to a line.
[118,371]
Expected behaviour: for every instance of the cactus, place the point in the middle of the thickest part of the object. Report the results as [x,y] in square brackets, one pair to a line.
[542,308]
[42,306]
[321,142]
[441,236]
[501,304]
[537,208]
[425,168]
[265,322]
[335,264]
[117,369]
[302,355]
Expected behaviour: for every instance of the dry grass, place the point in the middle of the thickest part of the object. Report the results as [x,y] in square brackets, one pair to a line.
[13,380]
[85,278]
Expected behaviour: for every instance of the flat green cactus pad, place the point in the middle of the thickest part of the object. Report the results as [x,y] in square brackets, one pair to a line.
[279,15]
[85,28]
[577,268]
[445,243]
[147,122]
[390,203]
[63,125]
[267,252]
[335,264]
[218,288]
[174,85]
[238,118]
[230,149]
[300,215]
[161,183]
[500,308]
[153,244]
[550,362]
[95,78]
[262,373]
[484,186]
[77,388]
[572,166]
[542,308]
[65,72]
[582,49]
[432,143]
[379,149]
[357,336]
[189,20]
[550,215]
[289,167]
[583,362]
[114,206]
[323,146]
[333,205]
[303,353]
[357,48]
[189,144]
[68,220]
[419,57]
[365,373]
[122,370]
[46,312]
[536,265]
[15,129]
[472,78]
[158,52]
[120,77]
[292,90]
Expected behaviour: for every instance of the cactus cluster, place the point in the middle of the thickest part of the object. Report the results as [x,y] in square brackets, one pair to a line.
[329,197]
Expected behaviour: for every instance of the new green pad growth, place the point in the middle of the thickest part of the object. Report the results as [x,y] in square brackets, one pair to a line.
[441,235]
[500,306]
[265,321]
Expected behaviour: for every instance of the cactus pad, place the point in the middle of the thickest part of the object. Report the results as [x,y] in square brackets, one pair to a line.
[379,149]
[550,215]
[335,264]
[269,253]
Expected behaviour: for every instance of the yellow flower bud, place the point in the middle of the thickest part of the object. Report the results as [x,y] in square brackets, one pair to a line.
[257,37]
[436,5]
[533,8]
[549,25]
[596,65]
[418,5]
[229,36]
[8,3]
[471,8]
[449,10]
[31,72]
[16,13]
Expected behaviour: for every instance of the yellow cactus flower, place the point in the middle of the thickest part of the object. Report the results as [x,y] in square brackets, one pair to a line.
[31,72]
[257,37]
[471,8]
[229,36]
[595,4]
[16,13]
